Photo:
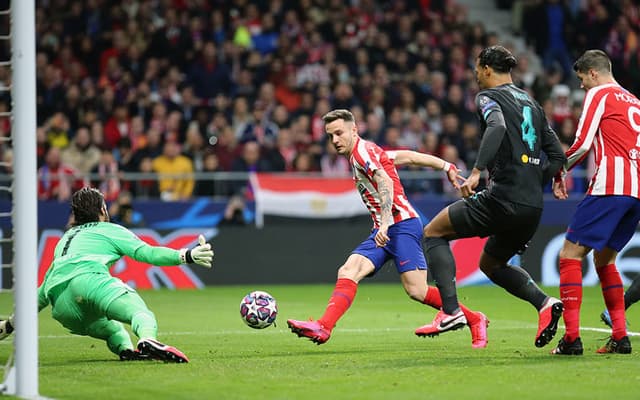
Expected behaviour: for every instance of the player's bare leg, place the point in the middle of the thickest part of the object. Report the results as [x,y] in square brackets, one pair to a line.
[354,269]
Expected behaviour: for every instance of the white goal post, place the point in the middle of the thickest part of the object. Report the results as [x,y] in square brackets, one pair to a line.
[22,379]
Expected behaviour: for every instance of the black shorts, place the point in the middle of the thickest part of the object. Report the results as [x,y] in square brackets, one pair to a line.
[510,226]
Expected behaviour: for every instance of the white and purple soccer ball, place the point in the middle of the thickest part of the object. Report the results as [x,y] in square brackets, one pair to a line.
[258,309]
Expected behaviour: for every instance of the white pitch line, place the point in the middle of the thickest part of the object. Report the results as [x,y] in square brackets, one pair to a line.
[272,331]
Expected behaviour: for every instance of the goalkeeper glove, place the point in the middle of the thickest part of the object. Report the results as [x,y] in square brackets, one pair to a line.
[201,254]
[6,328]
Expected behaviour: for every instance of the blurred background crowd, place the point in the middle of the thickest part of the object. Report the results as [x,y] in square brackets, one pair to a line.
[210,90]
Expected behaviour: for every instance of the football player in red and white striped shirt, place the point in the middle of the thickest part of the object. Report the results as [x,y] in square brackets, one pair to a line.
[396,234]
[606,219]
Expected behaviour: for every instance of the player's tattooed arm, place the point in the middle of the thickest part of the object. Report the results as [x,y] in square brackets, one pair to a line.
[385,190]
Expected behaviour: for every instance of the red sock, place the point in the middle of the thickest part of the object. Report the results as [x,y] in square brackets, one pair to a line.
[434,300]
[571,295]
[613,293]
[339,303]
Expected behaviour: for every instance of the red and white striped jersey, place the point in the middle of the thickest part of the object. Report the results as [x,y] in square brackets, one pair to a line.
[610,124]
[366,158]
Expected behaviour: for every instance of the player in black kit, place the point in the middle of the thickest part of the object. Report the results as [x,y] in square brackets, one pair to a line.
[516,134]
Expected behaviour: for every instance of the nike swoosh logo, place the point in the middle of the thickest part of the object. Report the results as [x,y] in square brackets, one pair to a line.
[444,324]
[404,262]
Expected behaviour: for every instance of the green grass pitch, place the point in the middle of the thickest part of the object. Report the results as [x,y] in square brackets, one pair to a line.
[373,353]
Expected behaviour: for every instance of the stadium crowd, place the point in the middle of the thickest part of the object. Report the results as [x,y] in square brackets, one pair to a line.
[197,86]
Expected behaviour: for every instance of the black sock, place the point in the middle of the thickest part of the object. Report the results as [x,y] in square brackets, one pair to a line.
[519,283]
[443,270]
[632,295]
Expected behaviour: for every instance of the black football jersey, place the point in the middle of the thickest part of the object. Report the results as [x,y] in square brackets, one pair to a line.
[529,151]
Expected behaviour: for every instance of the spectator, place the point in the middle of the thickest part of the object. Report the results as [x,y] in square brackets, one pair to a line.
[261,129]
[147,187]
[72,107]
[96,128]
[391,139]
[548,25]
[287,148]
[152,147]
[622,45]
[208,75]
[592,25]
[412,131]
[194,146]
[226,147]
[471,142]
[57,181]
[173,127]
[105,176]
[455,104]
[209,186]
[433,116]
[171,41]
[561,97]
[304,162]
[117,127]
[51,91]
[235,212]
[175,173]
[251,160]
[523,74]
[287,92]
[451,134]
[81,154]
[121,212]
[567,131]
[57,130]
[125,157]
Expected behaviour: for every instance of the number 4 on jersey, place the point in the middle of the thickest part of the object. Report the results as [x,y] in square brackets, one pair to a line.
[528,131]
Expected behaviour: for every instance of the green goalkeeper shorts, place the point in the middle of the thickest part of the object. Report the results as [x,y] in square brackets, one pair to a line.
[84,299]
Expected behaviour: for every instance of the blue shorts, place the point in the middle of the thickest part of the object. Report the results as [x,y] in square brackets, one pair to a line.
[404,247]
[604,221]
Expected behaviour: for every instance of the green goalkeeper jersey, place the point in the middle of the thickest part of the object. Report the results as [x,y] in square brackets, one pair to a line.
[93,248]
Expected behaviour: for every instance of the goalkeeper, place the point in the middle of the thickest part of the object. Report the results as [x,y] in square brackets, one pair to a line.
[87,300]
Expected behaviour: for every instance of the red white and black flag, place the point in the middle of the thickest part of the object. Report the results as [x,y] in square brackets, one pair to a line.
[305,196]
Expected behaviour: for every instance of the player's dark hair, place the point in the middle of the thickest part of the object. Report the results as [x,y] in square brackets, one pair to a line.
[334,115]
[593,59]
[498,58]
[86,206]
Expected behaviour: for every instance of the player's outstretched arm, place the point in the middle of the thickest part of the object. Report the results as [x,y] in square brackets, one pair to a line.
[410,157]
[129,244]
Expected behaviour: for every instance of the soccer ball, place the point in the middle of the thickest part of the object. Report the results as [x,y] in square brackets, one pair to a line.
[258,309]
